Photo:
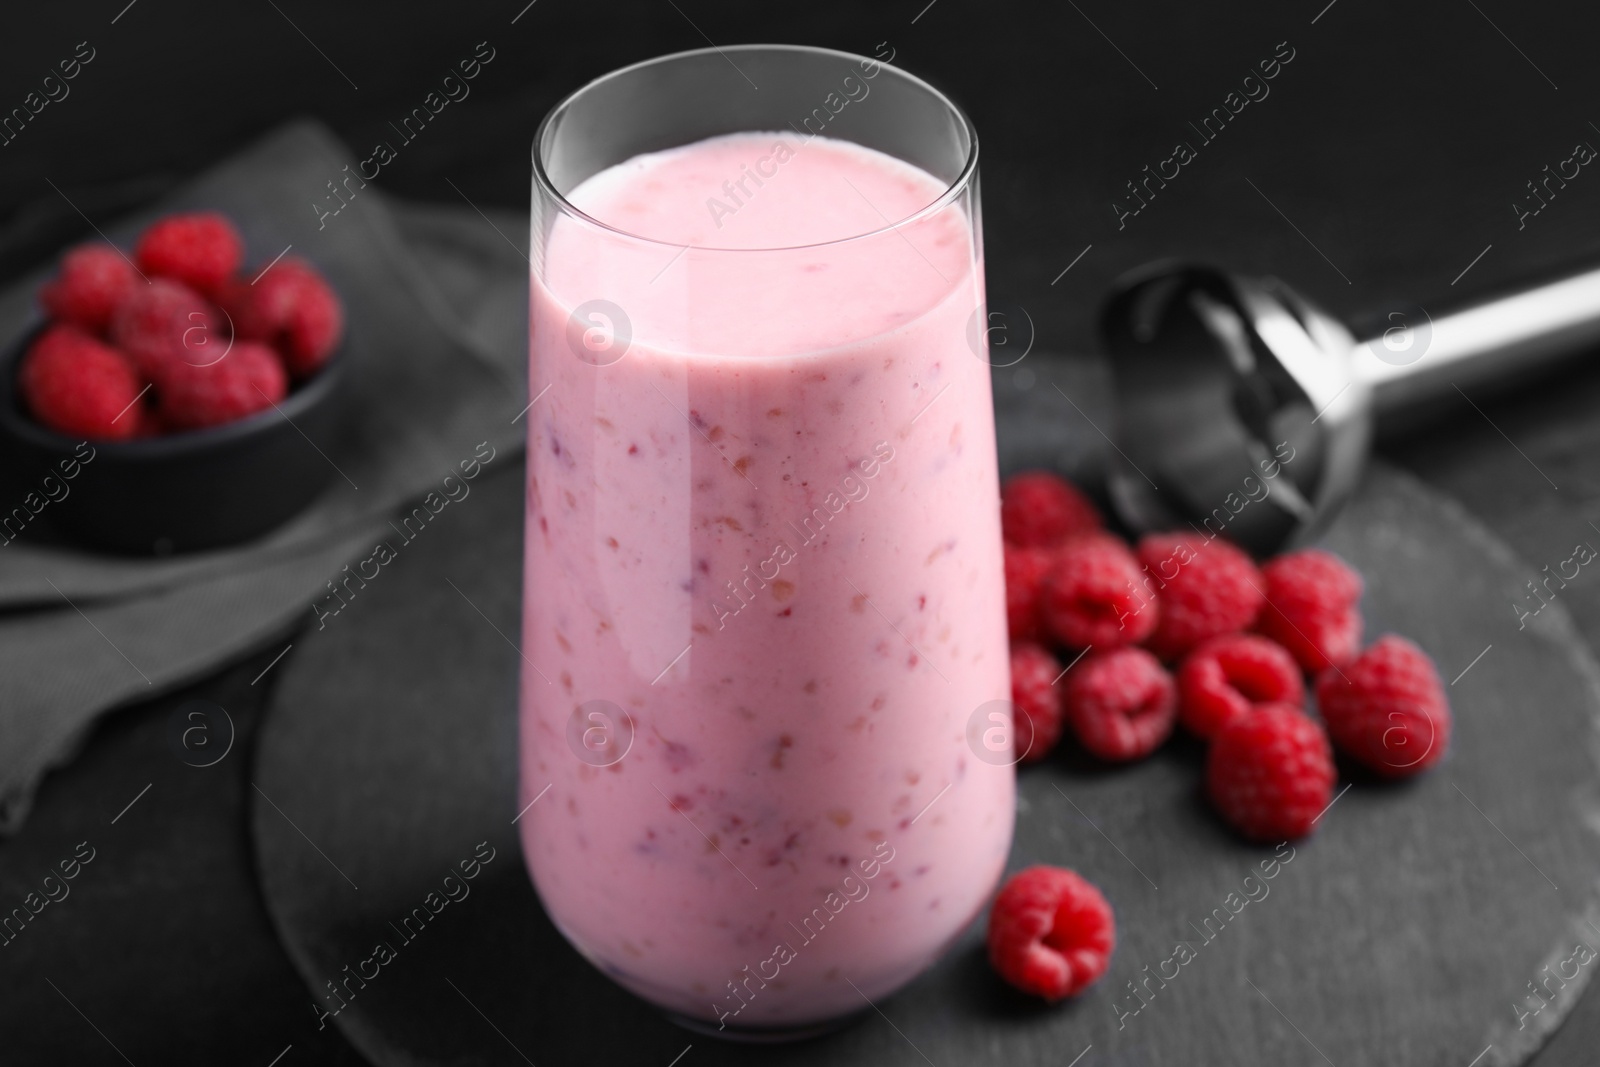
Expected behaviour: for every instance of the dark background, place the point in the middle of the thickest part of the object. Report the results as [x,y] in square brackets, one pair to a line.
[1396,141]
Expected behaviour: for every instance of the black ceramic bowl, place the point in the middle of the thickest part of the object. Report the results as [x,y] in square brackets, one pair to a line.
[177,493]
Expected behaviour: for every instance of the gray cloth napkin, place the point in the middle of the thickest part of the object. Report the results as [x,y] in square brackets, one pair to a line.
[436,299]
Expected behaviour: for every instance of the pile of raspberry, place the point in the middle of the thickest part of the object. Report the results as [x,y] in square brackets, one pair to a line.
[174,338]
[1120,643]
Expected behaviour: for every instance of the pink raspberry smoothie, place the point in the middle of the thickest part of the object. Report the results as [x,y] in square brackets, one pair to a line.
[763,583]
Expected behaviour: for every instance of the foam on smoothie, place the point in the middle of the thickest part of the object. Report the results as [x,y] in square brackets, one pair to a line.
[818,263]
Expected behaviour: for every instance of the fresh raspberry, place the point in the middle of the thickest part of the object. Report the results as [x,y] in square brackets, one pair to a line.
[1094,595]
[1228,675]
[292,308]
[246,380]
[1050,932]
[147,418]
[1036,699]
[1270,772]
[1311,608]
[1121,703]
[93,280]
[1206,588]
[201,250]
[1038,509]
[80,386]
[1026,569]
[1387,710]
[166,324]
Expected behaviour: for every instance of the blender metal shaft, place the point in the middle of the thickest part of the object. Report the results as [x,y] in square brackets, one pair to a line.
[1484,342]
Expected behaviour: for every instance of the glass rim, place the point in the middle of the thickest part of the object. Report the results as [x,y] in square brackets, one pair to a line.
[952,191]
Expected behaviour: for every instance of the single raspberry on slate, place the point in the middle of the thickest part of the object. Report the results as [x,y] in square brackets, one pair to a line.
[1228,675]
[1311,608]
[1025,573]
[249,378]
[1051,932]
[292,308]
[1094,595]
[1387,710]
[1206,588]
[93,280]
[1270,773]
[166,324]
[201,249]
[80,386]
[1121,704]
[1036,699]
[1039,509]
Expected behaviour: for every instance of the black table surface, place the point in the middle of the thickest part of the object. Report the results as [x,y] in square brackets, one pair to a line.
[1385,162]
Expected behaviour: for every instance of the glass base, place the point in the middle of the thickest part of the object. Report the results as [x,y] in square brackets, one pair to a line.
[763,1035]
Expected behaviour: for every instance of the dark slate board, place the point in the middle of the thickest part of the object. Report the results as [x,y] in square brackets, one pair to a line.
[1402,933]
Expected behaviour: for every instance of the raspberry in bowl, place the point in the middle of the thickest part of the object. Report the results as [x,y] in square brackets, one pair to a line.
[166,403]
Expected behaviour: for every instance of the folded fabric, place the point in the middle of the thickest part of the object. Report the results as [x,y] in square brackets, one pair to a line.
[436,300]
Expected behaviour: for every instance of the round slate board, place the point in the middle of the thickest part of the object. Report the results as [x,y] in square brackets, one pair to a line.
[1404,932]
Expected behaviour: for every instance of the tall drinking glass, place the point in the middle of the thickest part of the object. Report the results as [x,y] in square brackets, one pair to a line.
[764,617]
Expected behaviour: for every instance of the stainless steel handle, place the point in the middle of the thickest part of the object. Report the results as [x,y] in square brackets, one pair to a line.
[1415,361]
